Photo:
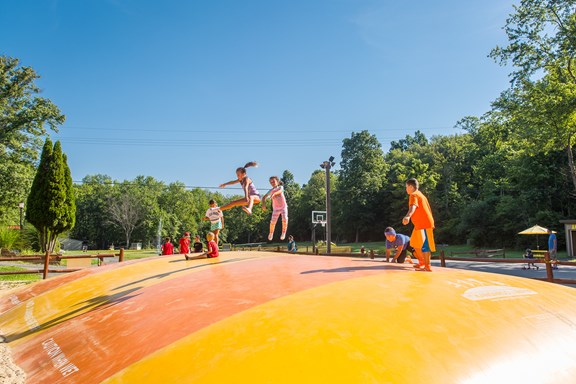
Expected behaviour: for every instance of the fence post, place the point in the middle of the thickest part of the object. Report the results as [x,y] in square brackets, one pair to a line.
[46,263]
[549,272]
[121,256]
[442,259]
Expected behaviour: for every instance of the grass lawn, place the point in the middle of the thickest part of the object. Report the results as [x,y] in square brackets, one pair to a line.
[28,277]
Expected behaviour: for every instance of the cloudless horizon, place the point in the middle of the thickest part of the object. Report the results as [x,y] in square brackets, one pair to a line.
[189,90]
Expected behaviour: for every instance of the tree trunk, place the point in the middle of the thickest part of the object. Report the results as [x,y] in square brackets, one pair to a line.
[570,154]
[357,234]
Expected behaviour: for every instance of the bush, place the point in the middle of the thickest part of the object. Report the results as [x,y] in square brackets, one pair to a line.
[10,238]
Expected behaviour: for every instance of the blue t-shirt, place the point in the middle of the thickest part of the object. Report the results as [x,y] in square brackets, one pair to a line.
[400,241]
[552,241]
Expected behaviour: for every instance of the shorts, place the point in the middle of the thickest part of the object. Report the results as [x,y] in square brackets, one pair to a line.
[277,212]
[553,254]
[423,239]
[216,225]
[402,257]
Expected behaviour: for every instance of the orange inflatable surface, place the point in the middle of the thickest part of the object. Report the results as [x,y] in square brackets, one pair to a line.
[258,317]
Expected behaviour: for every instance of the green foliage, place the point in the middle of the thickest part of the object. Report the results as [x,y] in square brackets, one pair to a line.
[10,238]
[24,117]
[362,175]
[50,206]
[540,36]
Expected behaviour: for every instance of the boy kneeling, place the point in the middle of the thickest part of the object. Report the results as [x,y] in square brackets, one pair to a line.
[401,245]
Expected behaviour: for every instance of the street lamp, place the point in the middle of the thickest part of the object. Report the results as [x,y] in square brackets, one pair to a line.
[21,206]
[327,165]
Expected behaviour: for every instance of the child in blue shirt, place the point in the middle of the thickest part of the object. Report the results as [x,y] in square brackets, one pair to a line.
[401,245]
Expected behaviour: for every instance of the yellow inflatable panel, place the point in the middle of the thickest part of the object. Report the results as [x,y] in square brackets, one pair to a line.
[256,317]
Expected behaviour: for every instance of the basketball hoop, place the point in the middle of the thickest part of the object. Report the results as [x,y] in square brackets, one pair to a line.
[319,217]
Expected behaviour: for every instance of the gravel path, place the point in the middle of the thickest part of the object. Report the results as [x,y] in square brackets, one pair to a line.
[9,372]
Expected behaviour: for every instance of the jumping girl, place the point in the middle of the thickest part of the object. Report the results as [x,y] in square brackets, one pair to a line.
[279,207]
[251,194]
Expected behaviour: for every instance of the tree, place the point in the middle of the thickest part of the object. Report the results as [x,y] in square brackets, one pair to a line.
[541,36]
[92,218]
[542,49]
[541,117]
[126,211]
[50,202]
[362,174]
[69,220]
[24,117]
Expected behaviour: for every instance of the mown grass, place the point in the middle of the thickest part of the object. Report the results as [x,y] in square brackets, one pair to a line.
[27,277]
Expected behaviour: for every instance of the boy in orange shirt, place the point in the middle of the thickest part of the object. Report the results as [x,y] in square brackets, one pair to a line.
[422,238]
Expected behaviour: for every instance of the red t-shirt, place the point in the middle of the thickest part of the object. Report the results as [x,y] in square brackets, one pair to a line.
[184,245]
[213,249]
[422,216]
[168,249]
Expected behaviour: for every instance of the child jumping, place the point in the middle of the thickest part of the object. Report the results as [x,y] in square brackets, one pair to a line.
[251,194]
[422,238]
[279,207]
[212,249]
[216,218]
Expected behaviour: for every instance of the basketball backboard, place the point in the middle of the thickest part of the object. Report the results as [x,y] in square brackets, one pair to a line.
[319,217]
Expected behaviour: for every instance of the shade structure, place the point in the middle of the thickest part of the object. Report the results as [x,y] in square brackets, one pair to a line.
[535,230]
[259,317]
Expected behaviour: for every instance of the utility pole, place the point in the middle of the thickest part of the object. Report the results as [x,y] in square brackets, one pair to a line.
[327,166]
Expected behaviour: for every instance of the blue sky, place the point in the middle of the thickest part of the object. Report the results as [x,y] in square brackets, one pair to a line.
[189,90]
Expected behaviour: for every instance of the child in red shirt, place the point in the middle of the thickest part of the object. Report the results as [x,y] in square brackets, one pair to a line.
[212,249]
[185,243]
[167,247]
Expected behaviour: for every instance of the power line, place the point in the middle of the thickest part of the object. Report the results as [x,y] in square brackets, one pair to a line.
[206,130]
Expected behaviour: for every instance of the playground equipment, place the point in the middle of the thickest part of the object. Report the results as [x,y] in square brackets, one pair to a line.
[263,317]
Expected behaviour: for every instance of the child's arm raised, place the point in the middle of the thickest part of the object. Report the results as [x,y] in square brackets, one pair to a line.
[231,182]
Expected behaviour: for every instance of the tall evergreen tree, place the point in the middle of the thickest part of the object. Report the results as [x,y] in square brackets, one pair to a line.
[51,206]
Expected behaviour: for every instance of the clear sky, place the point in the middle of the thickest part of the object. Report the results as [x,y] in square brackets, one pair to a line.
[189,90]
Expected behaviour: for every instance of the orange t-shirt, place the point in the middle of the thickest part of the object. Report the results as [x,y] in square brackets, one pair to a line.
[422,216]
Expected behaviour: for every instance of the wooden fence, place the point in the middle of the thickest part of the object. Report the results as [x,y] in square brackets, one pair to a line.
[47,258]
[537,260]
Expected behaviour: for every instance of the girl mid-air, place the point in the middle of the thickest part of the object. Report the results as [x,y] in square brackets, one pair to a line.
[251,194]
[279,206]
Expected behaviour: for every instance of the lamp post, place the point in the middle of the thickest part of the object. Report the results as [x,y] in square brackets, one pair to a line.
[327,166]
[21,206]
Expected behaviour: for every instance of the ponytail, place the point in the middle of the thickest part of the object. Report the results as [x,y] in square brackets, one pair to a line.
[247,165]
[251,164]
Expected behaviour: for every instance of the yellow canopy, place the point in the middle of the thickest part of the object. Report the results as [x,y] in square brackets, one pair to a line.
[535,230]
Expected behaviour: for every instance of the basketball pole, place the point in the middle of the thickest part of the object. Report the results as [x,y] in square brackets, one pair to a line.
[327,165]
